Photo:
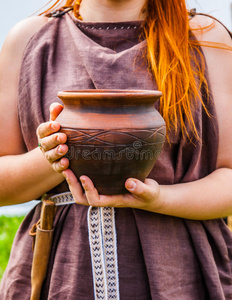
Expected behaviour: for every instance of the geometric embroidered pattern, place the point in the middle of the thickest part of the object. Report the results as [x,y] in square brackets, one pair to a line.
[62,199]
[103,249]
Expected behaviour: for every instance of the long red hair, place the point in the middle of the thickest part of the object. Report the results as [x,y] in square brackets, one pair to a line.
[171,54]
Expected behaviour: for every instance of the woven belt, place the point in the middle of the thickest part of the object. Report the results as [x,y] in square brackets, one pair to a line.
[63,199]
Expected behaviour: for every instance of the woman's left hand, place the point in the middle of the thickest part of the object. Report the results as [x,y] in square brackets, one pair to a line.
[140,195]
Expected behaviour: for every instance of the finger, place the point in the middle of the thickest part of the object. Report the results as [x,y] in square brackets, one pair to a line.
[47,128]
[60,165]
[75,187]
[53,140]
[55,109]
[56,153]
[97,200]
[148,190]
[125,200]
[91,192]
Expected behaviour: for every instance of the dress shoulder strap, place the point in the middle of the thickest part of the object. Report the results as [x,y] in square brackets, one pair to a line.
[59,12]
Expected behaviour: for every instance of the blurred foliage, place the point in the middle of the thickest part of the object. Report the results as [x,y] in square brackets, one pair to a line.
[8,228]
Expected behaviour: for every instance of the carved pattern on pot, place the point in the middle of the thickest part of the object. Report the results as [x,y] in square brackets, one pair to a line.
[116,137]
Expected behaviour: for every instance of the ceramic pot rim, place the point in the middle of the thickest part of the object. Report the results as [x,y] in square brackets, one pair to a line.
[110,93]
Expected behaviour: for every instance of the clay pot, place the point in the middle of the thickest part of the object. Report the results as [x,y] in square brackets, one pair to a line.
[112,135]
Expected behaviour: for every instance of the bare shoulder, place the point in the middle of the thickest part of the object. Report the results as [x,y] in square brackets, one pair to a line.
[208,29]
[219,64]
[10,64]
[21,33]
[15,43]
[217,47]
[17,39]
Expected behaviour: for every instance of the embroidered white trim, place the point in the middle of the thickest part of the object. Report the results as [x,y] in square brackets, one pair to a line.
[103,249]
[110,251]
[108,27]
[63,199]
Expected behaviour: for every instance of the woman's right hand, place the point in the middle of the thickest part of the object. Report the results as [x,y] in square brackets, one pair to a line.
[52,142]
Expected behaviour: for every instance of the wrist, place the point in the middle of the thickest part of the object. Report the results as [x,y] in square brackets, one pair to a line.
[158,203]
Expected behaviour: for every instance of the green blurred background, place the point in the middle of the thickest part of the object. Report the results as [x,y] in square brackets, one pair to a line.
[8,228]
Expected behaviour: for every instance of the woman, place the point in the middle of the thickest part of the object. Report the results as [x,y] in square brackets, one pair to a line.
[171,240]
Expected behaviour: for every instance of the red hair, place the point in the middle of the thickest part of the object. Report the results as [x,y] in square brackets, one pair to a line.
[171,54]
[174,58]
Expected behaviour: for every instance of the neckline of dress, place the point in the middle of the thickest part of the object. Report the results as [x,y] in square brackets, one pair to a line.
[119,25]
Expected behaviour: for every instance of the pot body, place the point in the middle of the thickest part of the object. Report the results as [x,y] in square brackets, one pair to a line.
[112,135]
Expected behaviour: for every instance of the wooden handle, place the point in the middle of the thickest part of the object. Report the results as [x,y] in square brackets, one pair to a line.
[47,215]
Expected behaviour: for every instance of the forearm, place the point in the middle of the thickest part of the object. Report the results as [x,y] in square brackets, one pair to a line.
[207,198]
[26,177]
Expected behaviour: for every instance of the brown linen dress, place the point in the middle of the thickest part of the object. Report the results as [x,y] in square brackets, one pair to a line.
[159,257]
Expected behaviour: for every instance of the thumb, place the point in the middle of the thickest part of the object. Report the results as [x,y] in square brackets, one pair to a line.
[149,189]
[55,109]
